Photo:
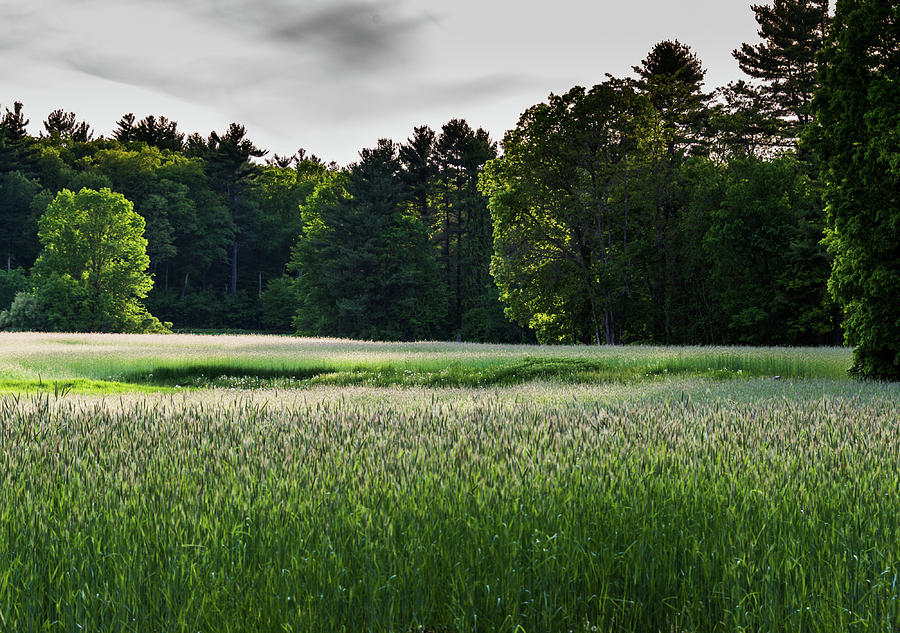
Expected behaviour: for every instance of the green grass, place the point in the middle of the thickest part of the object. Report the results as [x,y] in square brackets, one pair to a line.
[284,362]
[700,505]
[253,483]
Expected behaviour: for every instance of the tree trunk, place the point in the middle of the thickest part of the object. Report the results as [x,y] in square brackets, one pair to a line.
[234,254]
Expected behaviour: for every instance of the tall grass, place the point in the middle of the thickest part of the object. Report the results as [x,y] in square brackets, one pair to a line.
[700,506]
[260,361]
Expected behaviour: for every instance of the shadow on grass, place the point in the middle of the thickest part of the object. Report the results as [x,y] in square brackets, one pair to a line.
[451,375]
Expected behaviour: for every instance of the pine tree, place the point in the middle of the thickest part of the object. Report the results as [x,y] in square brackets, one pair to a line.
[793,32]
[671,78]
[16,146]
[63,125]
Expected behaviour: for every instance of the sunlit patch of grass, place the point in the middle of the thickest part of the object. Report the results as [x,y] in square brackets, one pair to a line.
[63,386]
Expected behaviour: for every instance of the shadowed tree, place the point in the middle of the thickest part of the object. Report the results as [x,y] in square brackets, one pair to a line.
[16,146]
[671,77]
[792,33]
[855,137]
[63,125]
[561,202]
[228,157]
[363,261]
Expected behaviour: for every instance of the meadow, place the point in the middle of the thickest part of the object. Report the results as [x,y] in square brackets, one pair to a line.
[186,483]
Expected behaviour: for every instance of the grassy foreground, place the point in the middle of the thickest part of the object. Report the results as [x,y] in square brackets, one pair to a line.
[679,503]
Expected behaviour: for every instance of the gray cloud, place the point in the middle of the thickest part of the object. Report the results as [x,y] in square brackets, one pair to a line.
[357,35]
[348,35]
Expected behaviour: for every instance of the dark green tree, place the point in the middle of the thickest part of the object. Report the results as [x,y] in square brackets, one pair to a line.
[61,125]
[743,123]
[461,221]
[228,159]
[855,136]
[12,282]
[561,202]
[671,77]
[792,33]
[363,262]
[18,220]
[418,171]
[17,151]
[766,269]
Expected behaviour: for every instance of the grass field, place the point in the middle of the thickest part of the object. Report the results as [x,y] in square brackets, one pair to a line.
[118,363]
[313,485]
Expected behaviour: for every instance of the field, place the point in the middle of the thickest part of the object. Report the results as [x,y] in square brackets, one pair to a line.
[181,483]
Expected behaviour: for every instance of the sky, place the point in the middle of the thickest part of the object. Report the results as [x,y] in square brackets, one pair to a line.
[334,76]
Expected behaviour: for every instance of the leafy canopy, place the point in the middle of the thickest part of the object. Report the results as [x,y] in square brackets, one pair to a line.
[92,272]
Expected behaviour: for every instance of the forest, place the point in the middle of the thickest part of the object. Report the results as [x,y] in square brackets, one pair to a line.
[644,209]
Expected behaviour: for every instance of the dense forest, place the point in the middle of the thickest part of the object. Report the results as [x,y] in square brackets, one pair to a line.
[642,209]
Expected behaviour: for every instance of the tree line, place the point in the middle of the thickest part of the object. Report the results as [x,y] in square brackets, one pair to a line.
[642,209]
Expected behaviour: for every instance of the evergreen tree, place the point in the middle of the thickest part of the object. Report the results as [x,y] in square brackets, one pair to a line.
[744,123]
[792,32]
[671,78]
[418,170]
[125,128]
[63,125]
[363,263]
[18,220]
[16,146]
[159,132]
[228,157]
[461,221]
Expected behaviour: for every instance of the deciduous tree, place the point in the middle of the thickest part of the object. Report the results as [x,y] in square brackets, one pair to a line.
[856,137]
[92,272]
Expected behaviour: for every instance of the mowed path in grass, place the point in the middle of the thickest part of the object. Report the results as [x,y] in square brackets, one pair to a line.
[112,363]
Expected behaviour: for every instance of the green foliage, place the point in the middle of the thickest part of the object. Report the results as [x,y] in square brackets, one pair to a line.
[793,32]
[12,282]
[363,263]
[856,139]
[92,272]
[61,127]
[766,267]
[26,314]
[18,219]
[560,202]
[279,303]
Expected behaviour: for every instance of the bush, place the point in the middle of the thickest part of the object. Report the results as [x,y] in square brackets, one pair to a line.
[11,283]
[26,314]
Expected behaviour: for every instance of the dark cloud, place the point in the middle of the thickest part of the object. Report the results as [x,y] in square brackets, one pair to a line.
[347,35]
[355,35]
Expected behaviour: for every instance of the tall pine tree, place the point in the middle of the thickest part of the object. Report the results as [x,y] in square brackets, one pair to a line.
[792,32]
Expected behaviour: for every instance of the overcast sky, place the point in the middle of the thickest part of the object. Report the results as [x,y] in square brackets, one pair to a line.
[333,76]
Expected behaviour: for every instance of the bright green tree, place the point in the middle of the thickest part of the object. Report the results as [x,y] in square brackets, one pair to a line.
[856,138]
[92,272]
